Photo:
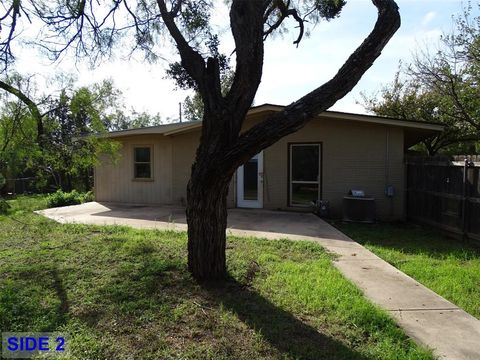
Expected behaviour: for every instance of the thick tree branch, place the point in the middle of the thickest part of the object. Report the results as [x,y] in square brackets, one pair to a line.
[192,61]
[284,13]
[296,115]
[247,21]
[32,107]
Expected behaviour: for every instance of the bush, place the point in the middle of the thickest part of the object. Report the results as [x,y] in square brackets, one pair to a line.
[3,206]
[61,198]
[88,196]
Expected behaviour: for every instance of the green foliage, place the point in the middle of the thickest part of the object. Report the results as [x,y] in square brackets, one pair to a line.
[329,9]
[4,206]
[193,105]
[26,204]
[60,198]
[408,99]
[71,124]
[195,17]
[442,87]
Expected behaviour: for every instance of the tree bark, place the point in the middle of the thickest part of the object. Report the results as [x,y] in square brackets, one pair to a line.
[207,221]
[222,148]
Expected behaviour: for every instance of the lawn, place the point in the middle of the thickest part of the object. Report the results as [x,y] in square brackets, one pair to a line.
[121,293]
[449,267]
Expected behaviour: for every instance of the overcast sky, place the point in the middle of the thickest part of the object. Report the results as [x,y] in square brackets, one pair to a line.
[289,72]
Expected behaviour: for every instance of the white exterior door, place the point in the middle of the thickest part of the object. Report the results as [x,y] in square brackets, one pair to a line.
[250,183]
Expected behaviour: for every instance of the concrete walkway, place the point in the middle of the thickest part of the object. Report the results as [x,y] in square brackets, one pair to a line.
[425,316]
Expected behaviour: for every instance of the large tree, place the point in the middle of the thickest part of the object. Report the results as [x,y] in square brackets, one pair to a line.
[408,99]
[440,86]
[93,29]
[64,150]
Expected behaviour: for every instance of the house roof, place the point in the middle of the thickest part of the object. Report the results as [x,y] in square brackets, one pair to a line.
[415,131]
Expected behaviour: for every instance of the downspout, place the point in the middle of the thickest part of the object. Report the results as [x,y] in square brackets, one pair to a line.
[388,188]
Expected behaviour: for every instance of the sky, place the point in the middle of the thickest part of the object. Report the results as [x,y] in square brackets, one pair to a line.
[289,72]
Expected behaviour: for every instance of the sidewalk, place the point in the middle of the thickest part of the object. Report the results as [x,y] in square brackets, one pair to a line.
[425,316]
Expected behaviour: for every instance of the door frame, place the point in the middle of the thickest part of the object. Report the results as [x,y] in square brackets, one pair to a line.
[255,204]
[289,170]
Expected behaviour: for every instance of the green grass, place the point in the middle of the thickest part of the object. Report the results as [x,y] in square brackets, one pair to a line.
[449,267]
[25,204]
[121,293]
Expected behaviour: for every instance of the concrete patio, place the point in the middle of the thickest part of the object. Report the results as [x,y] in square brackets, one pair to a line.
[425,316]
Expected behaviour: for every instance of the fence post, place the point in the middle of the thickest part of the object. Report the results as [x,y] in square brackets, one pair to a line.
[466,194]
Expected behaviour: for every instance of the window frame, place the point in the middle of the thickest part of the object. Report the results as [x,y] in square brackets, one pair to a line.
[290,182]
[139,146]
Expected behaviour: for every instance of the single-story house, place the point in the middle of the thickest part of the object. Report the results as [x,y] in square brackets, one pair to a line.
[333,153]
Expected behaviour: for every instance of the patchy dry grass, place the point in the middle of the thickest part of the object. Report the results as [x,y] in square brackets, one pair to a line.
[122,293]
[449,267]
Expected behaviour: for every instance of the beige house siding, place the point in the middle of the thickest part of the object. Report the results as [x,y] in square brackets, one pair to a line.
[184,147]
[114,181]
[354,156]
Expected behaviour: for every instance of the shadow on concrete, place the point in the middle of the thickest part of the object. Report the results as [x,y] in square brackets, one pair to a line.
[143,212]
[251,220]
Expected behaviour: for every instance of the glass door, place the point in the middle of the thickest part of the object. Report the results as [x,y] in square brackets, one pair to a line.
[250,183]
[304,174]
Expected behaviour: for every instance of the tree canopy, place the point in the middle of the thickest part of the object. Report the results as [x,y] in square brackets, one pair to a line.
[440,86]
[95,29]
[68,145]
[65,148]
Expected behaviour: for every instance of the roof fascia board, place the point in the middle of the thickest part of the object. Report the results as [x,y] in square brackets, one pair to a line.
[382,120]
[183,129]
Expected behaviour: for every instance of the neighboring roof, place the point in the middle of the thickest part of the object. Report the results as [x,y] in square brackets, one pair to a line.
[169,129]
[164,129]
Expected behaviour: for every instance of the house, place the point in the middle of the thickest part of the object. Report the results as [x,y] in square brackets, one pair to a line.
[333,153]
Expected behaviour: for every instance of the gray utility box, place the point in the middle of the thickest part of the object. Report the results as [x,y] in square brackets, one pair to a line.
[357,207]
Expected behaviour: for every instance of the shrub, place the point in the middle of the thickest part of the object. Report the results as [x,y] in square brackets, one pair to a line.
[88,196]
[61,198]
[3,206]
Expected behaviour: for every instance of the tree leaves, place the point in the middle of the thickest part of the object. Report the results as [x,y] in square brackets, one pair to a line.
[440,87]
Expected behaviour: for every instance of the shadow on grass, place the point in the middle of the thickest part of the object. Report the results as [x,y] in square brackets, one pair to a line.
[142,294]
[33,301]
[278,327]
[63,306]
[168,284]
[411,239]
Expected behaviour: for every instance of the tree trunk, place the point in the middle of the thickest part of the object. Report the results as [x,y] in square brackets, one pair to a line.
[207,224]
[222,149]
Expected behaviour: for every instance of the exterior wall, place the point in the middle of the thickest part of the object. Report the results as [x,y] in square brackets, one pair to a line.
[184,148]
[354,156]
[114,181]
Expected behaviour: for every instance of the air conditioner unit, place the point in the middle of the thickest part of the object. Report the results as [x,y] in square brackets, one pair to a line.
[359,208]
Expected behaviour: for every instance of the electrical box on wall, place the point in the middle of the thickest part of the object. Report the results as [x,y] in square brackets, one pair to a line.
[390,191]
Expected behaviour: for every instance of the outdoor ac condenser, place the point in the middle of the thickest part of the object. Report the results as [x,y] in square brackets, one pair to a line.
[359,208]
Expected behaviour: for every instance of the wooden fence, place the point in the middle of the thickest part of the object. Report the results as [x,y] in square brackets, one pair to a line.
[445,195]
